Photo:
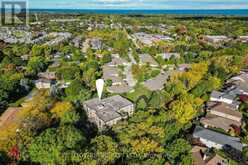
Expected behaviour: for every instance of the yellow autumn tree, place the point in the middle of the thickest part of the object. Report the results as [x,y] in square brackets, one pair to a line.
[144,146]
[186,108]
[60,108]
[192,77]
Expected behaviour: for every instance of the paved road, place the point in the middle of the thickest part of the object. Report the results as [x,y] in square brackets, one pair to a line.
[131,38]
[133,61]
[129,76]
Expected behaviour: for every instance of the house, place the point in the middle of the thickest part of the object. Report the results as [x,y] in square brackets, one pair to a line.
[243,38]
[201,156]
[9,116]
[111,72]
[237,90]
[197,155]
[76,42]
[162,38]
[65,20]
[217,160]
[216,140]
[96,44]
[47,75]
[107,112]
[63,84]
[216,121]
[222,97]
[168,56]
[147,59]
[43,83]
[150,39]
[158,82]
[144,38]
[183,67]
[239,83]
[25,57]
[224,110]
[216,39]
[58,38]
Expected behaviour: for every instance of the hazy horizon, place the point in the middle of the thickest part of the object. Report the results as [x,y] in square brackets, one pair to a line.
[140,4]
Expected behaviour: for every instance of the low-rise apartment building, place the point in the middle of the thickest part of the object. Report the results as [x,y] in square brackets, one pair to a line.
[107,112]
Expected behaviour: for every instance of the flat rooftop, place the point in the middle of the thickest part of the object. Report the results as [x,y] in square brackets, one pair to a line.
[107,109]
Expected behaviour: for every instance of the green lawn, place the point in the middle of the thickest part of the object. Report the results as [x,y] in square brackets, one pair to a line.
[139,90]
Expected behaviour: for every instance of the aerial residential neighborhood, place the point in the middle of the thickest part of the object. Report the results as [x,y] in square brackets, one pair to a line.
[174,90]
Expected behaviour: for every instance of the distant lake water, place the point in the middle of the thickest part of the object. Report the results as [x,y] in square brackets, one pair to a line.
[243,12]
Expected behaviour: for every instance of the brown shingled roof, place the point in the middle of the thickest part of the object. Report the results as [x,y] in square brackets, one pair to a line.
[225,108]
[219,122]
[217,159]
[197,155]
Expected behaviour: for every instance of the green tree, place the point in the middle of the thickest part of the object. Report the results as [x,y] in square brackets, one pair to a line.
[70,117]
[50,145]
[105,149]
[179,151]
[37,50]
[77,91]
[36,65]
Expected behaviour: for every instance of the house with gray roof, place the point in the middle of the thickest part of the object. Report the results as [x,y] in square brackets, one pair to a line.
[183,67]
[243,38]
[96,44]
[240,83]
[111,71]
[44,83]
[47,75]
[107,112]
[58,38]
[150,39]
[222,97]
[216,38]
[238,90]
[168,56]
[77,42]
[216,140]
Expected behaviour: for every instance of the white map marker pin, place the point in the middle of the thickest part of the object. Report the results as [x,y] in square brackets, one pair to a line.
[99,87]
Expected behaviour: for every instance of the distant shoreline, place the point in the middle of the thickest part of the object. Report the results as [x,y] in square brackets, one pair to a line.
[227,12]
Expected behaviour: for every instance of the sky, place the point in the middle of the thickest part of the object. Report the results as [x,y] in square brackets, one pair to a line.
[139,4]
